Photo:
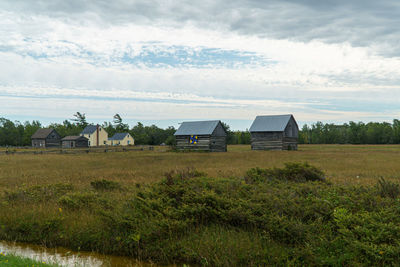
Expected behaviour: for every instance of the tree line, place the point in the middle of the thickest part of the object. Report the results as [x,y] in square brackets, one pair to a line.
[351,133]
[19,134]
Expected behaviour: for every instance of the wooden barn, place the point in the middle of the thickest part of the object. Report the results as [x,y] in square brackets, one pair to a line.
[275,132]
[46,137]
[74,141]
[201,136]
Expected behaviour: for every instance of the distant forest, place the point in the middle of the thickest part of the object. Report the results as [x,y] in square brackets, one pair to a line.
[19,134]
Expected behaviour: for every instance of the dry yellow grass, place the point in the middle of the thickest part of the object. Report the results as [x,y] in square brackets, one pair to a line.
[343,164]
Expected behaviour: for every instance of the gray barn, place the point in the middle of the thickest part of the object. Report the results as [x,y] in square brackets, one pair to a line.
[275,132]
[74,141]
[46,137]
[202,136]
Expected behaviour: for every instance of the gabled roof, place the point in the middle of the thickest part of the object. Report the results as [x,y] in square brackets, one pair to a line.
[197,128]
[42,133]
[271,123]
[73,138]
[118,136]
[89,129]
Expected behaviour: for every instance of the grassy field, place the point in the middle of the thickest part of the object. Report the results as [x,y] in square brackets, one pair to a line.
[343,164]
[124,203]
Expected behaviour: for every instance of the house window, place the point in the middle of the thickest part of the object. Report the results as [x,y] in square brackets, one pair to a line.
[129,141]
[88,143]
[105,142]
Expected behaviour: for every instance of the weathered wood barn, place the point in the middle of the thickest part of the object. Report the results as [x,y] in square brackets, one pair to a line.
[201,136]
[276,132]
[74,141]
[46,137]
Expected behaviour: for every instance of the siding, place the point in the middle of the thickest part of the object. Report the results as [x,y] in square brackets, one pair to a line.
[203,143]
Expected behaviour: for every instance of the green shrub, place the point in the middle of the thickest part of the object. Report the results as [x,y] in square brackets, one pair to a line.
[105,185]
[388,189]
[83,200]
[298,172]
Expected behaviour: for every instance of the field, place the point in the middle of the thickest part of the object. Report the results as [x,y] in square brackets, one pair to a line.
[343,164]
[218,214]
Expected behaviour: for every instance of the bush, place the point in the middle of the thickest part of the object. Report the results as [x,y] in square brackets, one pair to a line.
[105,185]
[298,172]
[388,189]
[83,200]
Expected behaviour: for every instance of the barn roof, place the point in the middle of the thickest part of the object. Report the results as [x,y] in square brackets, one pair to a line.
[42,133]
[197,128]
[73,138]
[270,123]
[89,129]
[118,136]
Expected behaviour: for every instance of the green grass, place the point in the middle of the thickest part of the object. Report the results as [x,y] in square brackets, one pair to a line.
[15,261]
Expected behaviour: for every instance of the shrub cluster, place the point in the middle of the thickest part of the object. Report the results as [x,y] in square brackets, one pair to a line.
[298,172]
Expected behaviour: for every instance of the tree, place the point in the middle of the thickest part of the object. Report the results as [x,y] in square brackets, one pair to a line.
[119,125]
[80,119]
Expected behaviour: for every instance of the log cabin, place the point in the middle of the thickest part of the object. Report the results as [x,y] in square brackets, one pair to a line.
[274,132]
[201,136]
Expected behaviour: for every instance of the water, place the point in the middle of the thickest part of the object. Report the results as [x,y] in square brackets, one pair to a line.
[65,257]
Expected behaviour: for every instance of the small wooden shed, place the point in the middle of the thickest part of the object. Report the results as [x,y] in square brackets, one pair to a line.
[274,132]
[74,141]
[46,137]
[201,136]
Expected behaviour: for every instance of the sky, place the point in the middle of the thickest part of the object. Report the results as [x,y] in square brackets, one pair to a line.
[165,61]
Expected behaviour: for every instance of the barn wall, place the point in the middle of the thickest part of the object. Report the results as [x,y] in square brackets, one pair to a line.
[266,140]
[218,144]
[292,129]
[272,141]
[290,143]
[67,144]
[38,143]
[203,144]
[53,139]
[219,130]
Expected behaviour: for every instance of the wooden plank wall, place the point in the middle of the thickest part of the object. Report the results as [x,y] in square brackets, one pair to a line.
[272,141]
[218,144]
[203,144]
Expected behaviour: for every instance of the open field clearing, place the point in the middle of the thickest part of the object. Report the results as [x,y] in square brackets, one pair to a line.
[210,209]
[343,164]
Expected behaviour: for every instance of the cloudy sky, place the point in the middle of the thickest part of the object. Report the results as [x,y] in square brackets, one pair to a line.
[166,61]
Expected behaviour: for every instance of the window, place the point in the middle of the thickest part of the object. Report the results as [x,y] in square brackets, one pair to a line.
[105,142]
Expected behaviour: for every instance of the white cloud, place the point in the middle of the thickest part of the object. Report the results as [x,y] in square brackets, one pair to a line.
[49,60]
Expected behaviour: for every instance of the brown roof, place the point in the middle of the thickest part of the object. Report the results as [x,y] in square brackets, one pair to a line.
[42,133]
[73,138]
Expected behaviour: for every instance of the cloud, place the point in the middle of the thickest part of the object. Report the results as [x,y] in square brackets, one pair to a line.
[361,23]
